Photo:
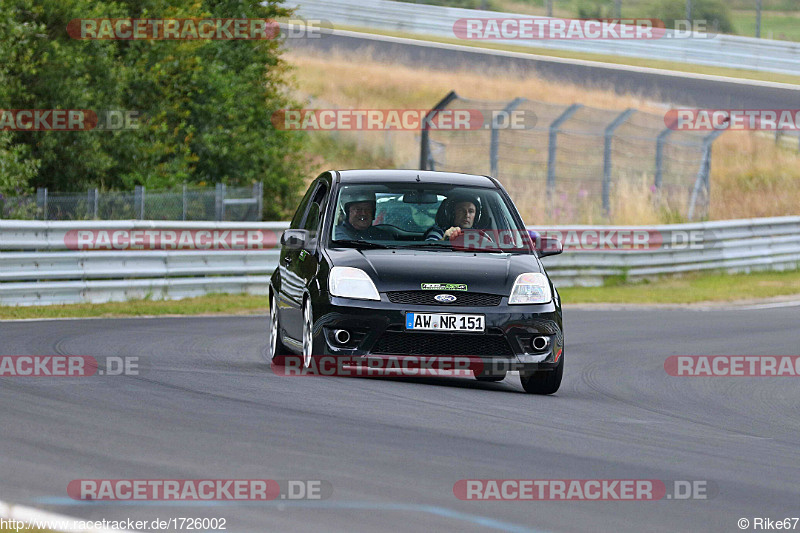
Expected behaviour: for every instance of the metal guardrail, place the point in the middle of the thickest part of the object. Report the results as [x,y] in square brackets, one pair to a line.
[52,235]
[727,245]
[41,271]
[720,50]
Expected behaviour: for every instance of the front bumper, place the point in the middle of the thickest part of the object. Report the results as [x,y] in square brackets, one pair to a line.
[377,331]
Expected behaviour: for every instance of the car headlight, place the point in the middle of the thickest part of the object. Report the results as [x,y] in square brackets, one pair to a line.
[349,282]
[530,288]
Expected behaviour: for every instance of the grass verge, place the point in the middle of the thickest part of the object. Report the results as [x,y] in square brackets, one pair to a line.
[693,288]
[690,288]
[209,304]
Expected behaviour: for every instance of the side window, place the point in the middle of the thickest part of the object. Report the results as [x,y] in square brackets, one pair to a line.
[321,196]
[301,209]
[312,219]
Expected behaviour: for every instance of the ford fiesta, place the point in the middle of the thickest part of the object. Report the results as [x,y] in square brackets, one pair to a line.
[395,263]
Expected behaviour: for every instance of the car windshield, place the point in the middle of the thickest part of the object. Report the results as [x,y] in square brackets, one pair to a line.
[427,216]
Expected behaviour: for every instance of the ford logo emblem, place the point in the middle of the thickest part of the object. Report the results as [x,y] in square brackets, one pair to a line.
[445,298]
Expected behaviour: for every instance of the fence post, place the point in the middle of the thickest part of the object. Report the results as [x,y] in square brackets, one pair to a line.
[495,141]
[660,140]
[425,159]
[219,202]
[259,192]
[95,202]
[183,203]
[704,172]
[552,147]
[138,202]
[609,135]
[41,201]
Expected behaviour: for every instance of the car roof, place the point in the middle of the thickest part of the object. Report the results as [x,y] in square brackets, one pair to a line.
[426,176]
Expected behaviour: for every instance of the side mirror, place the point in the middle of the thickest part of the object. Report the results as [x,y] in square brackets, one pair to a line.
[294,239]
[548,246]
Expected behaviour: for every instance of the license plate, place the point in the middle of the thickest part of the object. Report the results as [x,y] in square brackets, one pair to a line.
[444,322]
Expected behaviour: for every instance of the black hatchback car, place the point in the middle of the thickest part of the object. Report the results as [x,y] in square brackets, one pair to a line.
[393,263]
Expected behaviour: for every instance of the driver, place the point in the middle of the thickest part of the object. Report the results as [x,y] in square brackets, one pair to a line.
[359,208]
[462,211]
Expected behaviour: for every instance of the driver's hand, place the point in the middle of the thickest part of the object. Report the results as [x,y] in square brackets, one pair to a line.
[453,232]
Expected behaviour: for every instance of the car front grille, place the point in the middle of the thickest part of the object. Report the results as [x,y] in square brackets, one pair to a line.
[472,299]
[407,343]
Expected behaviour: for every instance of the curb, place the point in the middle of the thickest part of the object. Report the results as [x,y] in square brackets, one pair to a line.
[28,515]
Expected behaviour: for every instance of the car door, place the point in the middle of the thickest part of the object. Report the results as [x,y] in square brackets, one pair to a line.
[290,289]
[302,264]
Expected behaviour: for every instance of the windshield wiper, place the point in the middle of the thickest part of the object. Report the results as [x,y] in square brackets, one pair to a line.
[360,243]
[446,246]
[429,244]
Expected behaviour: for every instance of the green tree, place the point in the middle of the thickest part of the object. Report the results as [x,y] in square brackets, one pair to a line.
[17,167]
[204,106]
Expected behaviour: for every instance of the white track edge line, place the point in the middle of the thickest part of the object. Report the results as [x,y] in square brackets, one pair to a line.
[10,511]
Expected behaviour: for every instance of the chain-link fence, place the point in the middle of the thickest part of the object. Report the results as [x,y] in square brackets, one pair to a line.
[190,203]
[560,159]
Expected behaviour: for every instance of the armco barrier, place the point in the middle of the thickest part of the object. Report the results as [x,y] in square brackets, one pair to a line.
[721,50]
[729,245]
[41,270]
[36,268]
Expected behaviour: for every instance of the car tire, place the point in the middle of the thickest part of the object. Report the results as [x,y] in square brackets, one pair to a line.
[543,381]
[308,333]
[276,350]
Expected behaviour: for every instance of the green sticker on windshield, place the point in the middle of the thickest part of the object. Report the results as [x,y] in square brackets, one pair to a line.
[444,287]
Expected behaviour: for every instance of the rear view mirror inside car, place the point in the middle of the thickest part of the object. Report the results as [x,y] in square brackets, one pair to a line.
[420,197]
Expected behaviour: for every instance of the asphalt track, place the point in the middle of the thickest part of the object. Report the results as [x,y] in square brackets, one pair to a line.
[206,406]
[677,88]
